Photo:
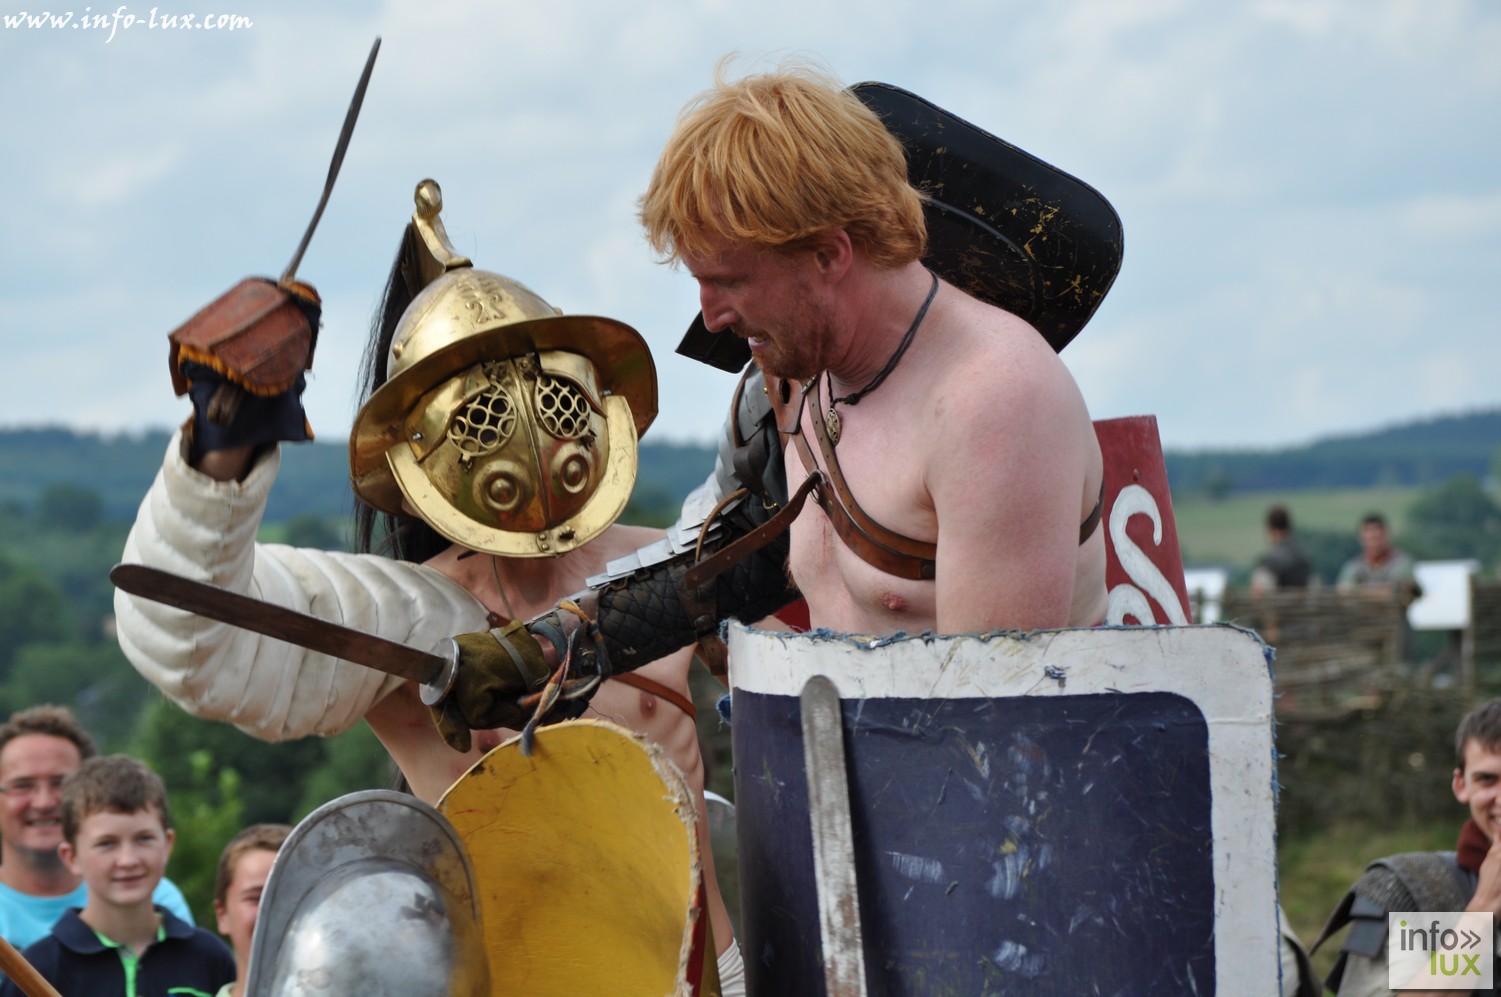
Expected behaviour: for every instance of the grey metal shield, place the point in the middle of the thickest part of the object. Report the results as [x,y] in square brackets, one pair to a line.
[371,894]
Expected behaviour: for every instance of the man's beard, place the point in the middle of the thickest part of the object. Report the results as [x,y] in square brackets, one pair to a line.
[799,349]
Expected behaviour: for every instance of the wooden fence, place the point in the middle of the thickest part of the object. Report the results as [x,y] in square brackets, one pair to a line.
[1363,735]
[1480,644]
[1335,652]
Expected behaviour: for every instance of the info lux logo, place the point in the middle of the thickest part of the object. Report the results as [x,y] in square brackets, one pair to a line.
[1440,950]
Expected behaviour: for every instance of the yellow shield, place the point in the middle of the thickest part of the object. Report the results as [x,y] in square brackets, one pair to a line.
[586,865]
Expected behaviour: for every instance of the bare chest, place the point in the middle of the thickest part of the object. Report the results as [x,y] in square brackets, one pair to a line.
[831,565]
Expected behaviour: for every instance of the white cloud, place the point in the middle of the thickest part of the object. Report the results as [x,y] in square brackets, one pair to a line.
[115,178]
[1451,218]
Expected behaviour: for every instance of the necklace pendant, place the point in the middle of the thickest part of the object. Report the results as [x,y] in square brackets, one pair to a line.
[831,426]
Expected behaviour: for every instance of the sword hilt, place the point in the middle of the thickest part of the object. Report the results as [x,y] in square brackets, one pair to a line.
[434,692]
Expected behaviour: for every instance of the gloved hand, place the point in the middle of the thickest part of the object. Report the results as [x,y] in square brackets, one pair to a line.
[241,359]
[497,668]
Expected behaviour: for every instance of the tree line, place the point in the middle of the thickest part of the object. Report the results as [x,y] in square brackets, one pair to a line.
[314,479]
[1423,453]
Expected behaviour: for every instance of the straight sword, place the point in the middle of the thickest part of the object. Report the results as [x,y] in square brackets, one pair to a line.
[833,840]
[434,672]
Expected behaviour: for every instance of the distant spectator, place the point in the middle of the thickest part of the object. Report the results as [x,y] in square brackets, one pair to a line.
[117,837]
[1284,565]
[243,869]
[1380,568]
[39,748]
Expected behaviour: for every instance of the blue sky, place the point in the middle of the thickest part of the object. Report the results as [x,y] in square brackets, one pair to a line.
[1310,189]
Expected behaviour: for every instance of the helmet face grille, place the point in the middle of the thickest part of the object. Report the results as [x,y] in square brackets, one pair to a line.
[562,408]
[484,424]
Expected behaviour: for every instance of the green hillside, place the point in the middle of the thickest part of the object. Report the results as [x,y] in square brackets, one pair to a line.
[119,468]
[1220,497]
[314,480]
[1424,452]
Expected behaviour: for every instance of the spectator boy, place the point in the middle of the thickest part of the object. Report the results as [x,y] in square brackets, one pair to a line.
[117,837]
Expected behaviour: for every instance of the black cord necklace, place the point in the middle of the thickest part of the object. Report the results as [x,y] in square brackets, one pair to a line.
[831,418]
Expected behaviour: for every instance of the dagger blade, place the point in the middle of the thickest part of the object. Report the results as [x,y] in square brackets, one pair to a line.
[434,672]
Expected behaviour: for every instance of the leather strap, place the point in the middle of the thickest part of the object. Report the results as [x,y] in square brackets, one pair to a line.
[1091,521]
[715,564]
[694,587]
[885,549]
[878,546]
[639,681]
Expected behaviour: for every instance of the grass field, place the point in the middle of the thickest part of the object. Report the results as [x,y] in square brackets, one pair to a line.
[1229,532]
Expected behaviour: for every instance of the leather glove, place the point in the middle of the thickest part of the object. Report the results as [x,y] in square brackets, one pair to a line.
[496,669]
[241,359]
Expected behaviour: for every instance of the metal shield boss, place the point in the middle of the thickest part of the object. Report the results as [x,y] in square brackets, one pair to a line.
[507,426]
[371,894]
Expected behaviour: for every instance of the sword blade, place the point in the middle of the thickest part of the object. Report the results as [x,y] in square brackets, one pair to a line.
[333,167]
[271,620]
[833,840]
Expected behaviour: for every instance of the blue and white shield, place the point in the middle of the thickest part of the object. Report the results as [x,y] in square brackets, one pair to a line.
[1066,812]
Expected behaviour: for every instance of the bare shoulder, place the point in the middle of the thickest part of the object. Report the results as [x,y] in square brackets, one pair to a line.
[997,368]
[619,540]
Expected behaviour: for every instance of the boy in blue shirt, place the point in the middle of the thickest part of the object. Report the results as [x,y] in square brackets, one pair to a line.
[117,836]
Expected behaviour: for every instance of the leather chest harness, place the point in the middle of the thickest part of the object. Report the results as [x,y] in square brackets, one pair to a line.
[884,549]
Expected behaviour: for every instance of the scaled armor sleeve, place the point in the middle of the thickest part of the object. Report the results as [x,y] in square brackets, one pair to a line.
[642,604]
[205,529]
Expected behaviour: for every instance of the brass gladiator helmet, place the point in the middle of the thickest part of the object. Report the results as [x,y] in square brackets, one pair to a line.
[509,427]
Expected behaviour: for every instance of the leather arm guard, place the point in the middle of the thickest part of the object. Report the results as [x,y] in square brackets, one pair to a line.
[675,592]
[241,359]
[653,602]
